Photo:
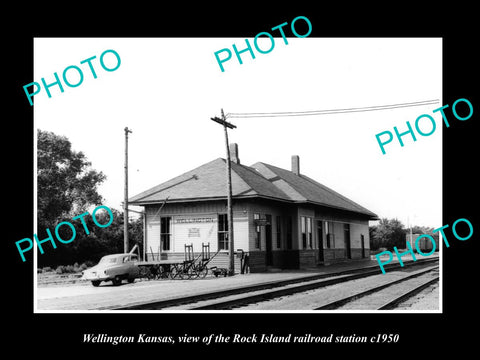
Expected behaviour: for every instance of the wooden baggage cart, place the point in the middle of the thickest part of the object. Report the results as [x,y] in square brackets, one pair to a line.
[190,267]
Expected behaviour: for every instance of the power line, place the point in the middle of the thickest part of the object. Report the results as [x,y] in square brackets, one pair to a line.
[332,111]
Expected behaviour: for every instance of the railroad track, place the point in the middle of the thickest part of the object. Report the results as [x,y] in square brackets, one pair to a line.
[392,304]
[234,298]
[416,283]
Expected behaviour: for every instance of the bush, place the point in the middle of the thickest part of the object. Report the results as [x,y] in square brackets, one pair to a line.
[79,268]
[44,270]
[64,269]
[70,269]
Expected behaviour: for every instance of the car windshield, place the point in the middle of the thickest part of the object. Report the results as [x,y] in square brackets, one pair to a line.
[108,260]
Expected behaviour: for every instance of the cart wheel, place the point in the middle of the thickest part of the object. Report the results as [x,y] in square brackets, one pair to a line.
[154,272]
[179,274]
[186,274]
[145,272]
[175,273]
[182,273]
[193,272]
[203,272]
[162,272]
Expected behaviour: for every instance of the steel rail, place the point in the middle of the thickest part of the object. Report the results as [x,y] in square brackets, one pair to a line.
[408,294]
[337,303]
[270,294]
[309,282]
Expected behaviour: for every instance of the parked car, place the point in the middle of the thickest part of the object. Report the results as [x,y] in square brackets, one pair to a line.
[116,268]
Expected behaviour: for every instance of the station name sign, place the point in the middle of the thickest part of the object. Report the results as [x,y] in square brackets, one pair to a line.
[194,220]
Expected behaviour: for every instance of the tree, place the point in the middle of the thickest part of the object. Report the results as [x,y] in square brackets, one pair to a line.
[388,233]
[66,185]
[135,234]
[424,230]
[99,242]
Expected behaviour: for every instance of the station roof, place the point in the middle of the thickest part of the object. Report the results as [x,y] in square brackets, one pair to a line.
[207,182]
[301,188]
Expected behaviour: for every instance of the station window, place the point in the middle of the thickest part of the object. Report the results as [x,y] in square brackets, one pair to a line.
[222,232]
[165,233]
[309,233]
[328,228]
[362,243]
[303,226]
[320,234]
[257,232]
[289,232]
[279,231]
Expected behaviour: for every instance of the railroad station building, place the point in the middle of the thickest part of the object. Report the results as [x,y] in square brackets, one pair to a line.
[281,218]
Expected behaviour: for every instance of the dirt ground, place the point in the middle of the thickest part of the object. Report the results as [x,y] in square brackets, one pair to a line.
[428,299]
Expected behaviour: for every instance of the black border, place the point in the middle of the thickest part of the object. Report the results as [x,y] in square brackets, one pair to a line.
[419,333]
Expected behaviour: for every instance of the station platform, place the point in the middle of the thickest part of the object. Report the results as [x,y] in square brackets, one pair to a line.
[83,297]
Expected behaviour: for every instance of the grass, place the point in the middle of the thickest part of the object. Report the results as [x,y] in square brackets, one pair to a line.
[65,269]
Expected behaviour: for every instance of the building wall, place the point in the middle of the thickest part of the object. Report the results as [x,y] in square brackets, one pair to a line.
[282,256]
[257,261]
[197,223]
[356,232]
[337,251]
[193,223]
[307,258]
[286,259]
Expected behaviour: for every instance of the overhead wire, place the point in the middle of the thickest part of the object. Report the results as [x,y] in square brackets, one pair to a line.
[332,111]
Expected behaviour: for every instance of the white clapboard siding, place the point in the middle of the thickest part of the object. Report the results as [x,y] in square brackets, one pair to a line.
[153,236]
[356,232]
[196,234]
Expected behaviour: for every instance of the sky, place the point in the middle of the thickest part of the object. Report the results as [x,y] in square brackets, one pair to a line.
[167,89]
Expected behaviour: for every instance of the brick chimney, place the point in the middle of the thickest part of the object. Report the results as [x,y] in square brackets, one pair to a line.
[234,153]
[296,164]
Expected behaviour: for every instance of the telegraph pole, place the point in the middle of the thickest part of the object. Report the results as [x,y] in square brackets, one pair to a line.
[231,268]
[125,202]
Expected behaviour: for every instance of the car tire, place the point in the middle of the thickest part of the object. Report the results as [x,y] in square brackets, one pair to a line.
[117,280]
[96,282]
[131,280]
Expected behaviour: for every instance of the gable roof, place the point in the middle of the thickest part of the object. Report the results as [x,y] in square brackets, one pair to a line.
[301,188]
[207,182]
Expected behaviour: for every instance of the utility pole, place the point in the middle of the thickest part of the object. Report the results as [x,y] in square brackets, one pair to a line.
[231,268]
[125,201]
